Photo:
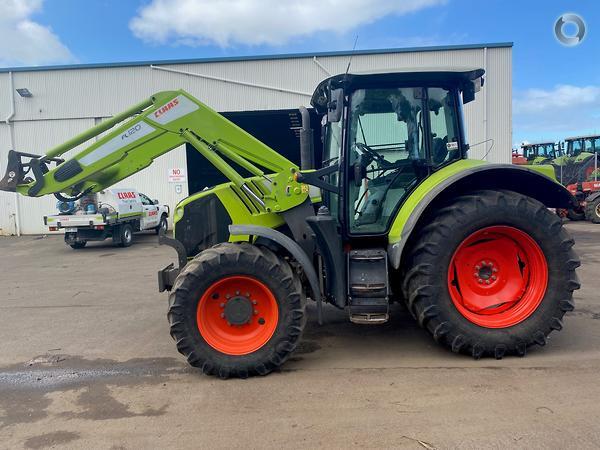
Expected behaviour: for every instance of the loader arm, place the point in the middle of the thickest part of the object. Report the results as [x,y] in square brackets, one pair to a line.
[146,131]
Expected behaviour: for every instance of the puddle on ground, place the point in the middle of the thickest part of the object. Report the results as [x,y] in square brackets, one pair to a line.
[26,389]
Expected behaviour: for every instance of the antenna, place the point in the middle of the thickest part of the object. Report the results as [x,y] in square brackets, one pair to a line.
[351,55]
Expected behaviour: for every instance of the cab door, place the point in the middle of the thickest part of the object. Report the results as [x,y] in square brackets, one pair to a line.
[150,218]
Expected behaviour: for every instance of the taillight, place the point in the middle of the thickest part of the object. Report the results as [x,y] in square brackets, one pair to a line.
[99,227]
[53,228]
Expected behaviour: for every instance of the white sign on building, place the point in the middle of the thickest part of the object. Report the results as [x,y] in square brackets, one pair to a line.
[177,175]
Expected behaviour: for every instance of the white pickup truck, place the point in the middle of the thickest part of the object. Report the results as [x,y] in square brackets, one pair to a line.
[114,213]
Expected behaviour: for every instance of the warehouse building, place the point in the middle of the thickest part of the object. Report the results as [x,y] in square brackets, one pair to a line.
[44,106]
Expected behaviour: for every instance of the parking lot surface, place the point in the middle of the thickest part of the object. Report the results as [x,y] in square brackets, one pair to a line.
[86,361]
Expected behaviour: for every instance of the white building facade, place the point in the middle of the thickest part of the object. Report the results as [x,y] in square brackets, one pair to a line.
[67,100]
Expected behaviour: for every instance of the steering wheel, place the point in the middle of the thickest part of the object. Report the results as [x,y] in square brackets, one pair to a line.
[372,153]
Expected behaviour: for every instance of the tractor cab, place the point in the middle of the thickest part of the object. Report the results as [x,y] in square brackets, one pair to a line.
[384,133]
[579,148]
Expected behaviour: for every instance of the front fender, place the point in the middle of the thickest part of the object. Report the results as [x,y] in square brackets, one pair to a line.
[469,175]
[290,246]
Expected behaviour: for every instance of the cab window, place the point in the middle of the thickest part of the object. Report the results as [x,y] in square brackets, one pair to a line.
[386,145]
[391,147]
[331,156]
[145,200]
[444,126]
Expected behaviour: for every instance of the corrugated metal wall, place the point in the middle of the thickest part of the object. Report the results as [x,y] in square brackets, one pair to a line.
[66,102]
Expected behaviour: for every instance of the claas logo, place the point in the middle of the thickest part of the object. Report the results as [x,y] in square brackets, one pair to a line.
[125,195]
[163,109]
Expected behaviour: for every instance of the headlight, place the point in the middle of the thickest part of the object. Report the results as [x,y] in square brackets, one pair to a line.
[179,213]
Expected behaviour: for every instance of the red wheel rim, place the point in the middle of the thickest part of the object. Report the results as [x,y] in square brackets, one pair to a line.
[237,315]
[497,277]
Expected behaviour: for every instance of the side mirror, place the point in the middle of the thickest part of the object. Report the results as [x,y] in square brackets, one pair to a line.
[155,202]
[335,105]
[470,89]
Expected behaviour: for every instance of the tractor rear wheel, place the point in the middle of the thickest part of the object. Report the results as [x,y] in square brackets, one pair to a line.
[492,273]
[237,310]
[592,210]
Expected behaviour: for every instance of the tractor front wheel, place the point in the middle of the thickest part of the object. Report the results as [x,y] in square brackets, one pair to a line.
[492,273]
[237,310]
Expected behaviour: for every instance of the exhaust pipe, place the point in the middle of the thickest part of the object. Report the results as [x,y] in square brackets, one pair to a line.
[306,141]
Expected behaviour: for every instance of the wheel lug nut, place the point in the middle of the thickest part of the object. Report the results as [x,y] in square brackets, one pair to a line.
[487,281]
[227,296]
[222,315]
[255,312]
[248,294]
[222,305]
[254,302]
[480,281]
[477,267]
[237,292]
[475,274]
[494,277]
[494,270]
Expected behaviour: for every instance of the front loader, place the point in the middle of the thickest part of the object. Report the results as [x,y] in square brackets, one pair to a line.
[394,212]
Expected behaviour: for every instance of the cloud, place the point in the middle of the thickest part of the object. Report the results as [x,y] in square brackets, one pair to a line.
[554,113]
[562,96]
[25,41]
[259,22]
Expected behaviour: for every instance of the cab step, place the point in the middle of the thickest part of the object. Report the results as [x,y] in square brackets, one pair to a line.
[369,319]
[368,290]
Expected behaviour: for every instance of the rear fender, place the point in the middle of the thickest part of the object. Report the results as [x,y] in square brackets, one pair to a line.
[467,176]
[592,197]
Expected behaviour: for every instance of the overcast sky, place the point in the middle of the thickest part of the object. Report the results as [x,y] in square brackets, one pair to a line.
[556,89]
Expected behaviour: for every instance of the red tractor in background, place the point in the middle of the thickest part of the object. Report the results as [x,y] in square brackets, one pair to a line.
[588,194]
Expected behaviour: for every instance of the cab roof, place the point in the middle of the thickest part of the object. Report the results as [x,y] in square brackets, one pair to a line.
[588,136]
[532,144]
[428,76]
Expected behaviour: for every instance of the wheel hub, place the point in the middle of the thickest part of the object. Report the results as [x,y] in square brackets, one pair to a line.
[238,310]
[237,315]
[486,272]
[497,276]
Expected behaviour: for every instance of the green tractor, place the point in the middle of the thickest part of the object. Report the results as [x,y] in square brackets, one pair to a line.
[540,153]
[578,162]
[394,212]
